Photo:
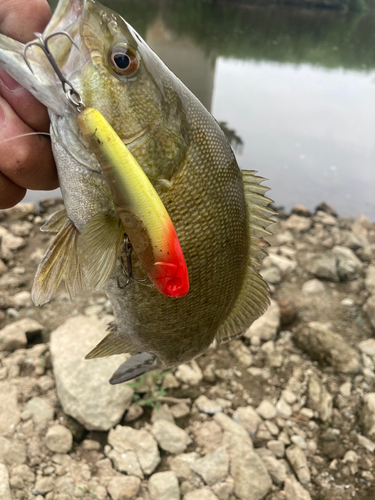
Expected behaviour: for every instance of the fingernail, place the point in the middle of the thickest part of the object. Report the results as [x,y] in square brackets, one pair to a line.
[2,116]
[9,82]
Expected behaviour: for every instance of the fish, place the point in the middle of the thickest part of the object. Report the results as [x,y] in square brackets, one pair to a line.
[219,212]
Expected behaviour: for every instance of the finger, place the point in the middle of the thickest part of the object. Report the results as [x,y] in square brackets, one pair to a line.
[29,109]
[10,193]
[27,161]
[19,19]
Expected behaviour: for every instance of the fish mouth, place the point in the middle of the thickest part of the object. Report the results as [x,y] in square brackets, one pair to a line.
[135,140]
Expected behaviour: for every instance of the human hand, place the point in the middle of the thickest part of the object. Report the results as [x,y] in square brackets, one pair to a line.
[27,162]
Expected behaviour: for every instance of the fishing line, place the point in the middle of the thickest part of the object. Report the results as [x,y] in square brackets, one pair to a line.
[24,135]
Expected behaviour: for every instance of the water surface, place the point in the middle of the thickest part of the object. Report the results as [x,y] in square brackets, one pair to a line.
[294,86]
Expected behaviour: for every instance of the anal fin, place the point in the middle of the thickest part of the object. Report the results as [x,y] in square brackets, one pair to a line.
[110,345]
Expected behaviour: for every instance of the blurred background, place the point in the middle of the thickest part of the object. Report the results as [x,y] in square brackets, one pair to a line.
[291,83]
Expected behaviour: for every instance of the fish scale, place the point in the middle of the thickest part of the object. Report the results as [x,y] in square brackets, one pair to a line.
[220,213]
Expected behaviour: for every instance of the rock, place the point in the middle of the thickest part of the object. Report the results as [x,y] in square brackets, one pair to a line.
[44,484]
[368,415]
[284,264]
[134,412]
[81,382]
[319,399]
[346,389]
[22,228]
[123,439]
[324,218]
[15,335]
[241,352]
[366,443]
[248,418]
[297,460]
[180,410]
[251,479]
[298,223]
[9,242]
[208,435]
[324,207]
[267,325]
[180,465]
[283,408]
[323,265]
[170,437]
[367,347]
[321,343]
[277,447]
[213,467]
[347,263]
[271,274]
[3,268]
[4,484]
[232,427]
[205,405]
[162,413]
[164,486]
[22,299]
[9,412]
[21,211]
[126,461]
[124,487]
[288,311]
[59,439]
[266,410]
[170,381]
[370,280]
[224,489]
[369,308]
[41,411]
[362,225]
[313,287]
[277,469]
[301,210]
[189,373]
[294,490]
[201,494]
[12,452]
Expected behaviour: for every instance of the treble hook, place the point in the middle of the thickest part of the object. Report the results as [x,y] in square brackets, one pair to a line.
[71,93]
[128,272]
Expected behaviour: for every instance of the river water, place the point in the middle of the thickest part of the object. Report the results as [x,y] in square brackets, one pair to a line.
[295,89]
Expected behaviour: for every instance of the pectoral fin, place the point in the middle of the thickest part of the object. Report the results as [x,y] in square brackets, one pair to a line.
[99,247]
[55,223]
[60,261]
[134,367]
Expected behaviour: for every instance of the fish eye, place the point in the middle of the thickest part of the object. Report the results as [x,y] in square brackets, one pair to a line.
[123,60]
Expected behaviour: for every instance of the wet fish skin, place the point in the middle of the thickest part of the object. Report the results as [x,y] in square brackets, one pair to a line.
[219,213]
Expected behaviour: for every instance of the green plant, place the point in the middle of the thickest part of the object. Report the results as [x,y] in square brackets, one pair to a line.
[149,389]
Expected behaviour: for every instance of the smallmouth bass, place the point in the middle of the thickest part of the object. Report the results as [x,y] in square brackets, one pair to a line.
[220,213]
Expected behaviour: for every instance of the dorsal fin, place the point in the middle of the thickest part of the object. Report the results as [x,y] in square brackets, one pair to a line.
[253,298]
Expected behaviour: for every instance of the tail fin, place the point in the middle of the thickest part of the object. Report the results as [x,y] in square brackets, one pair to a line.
[134,367]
